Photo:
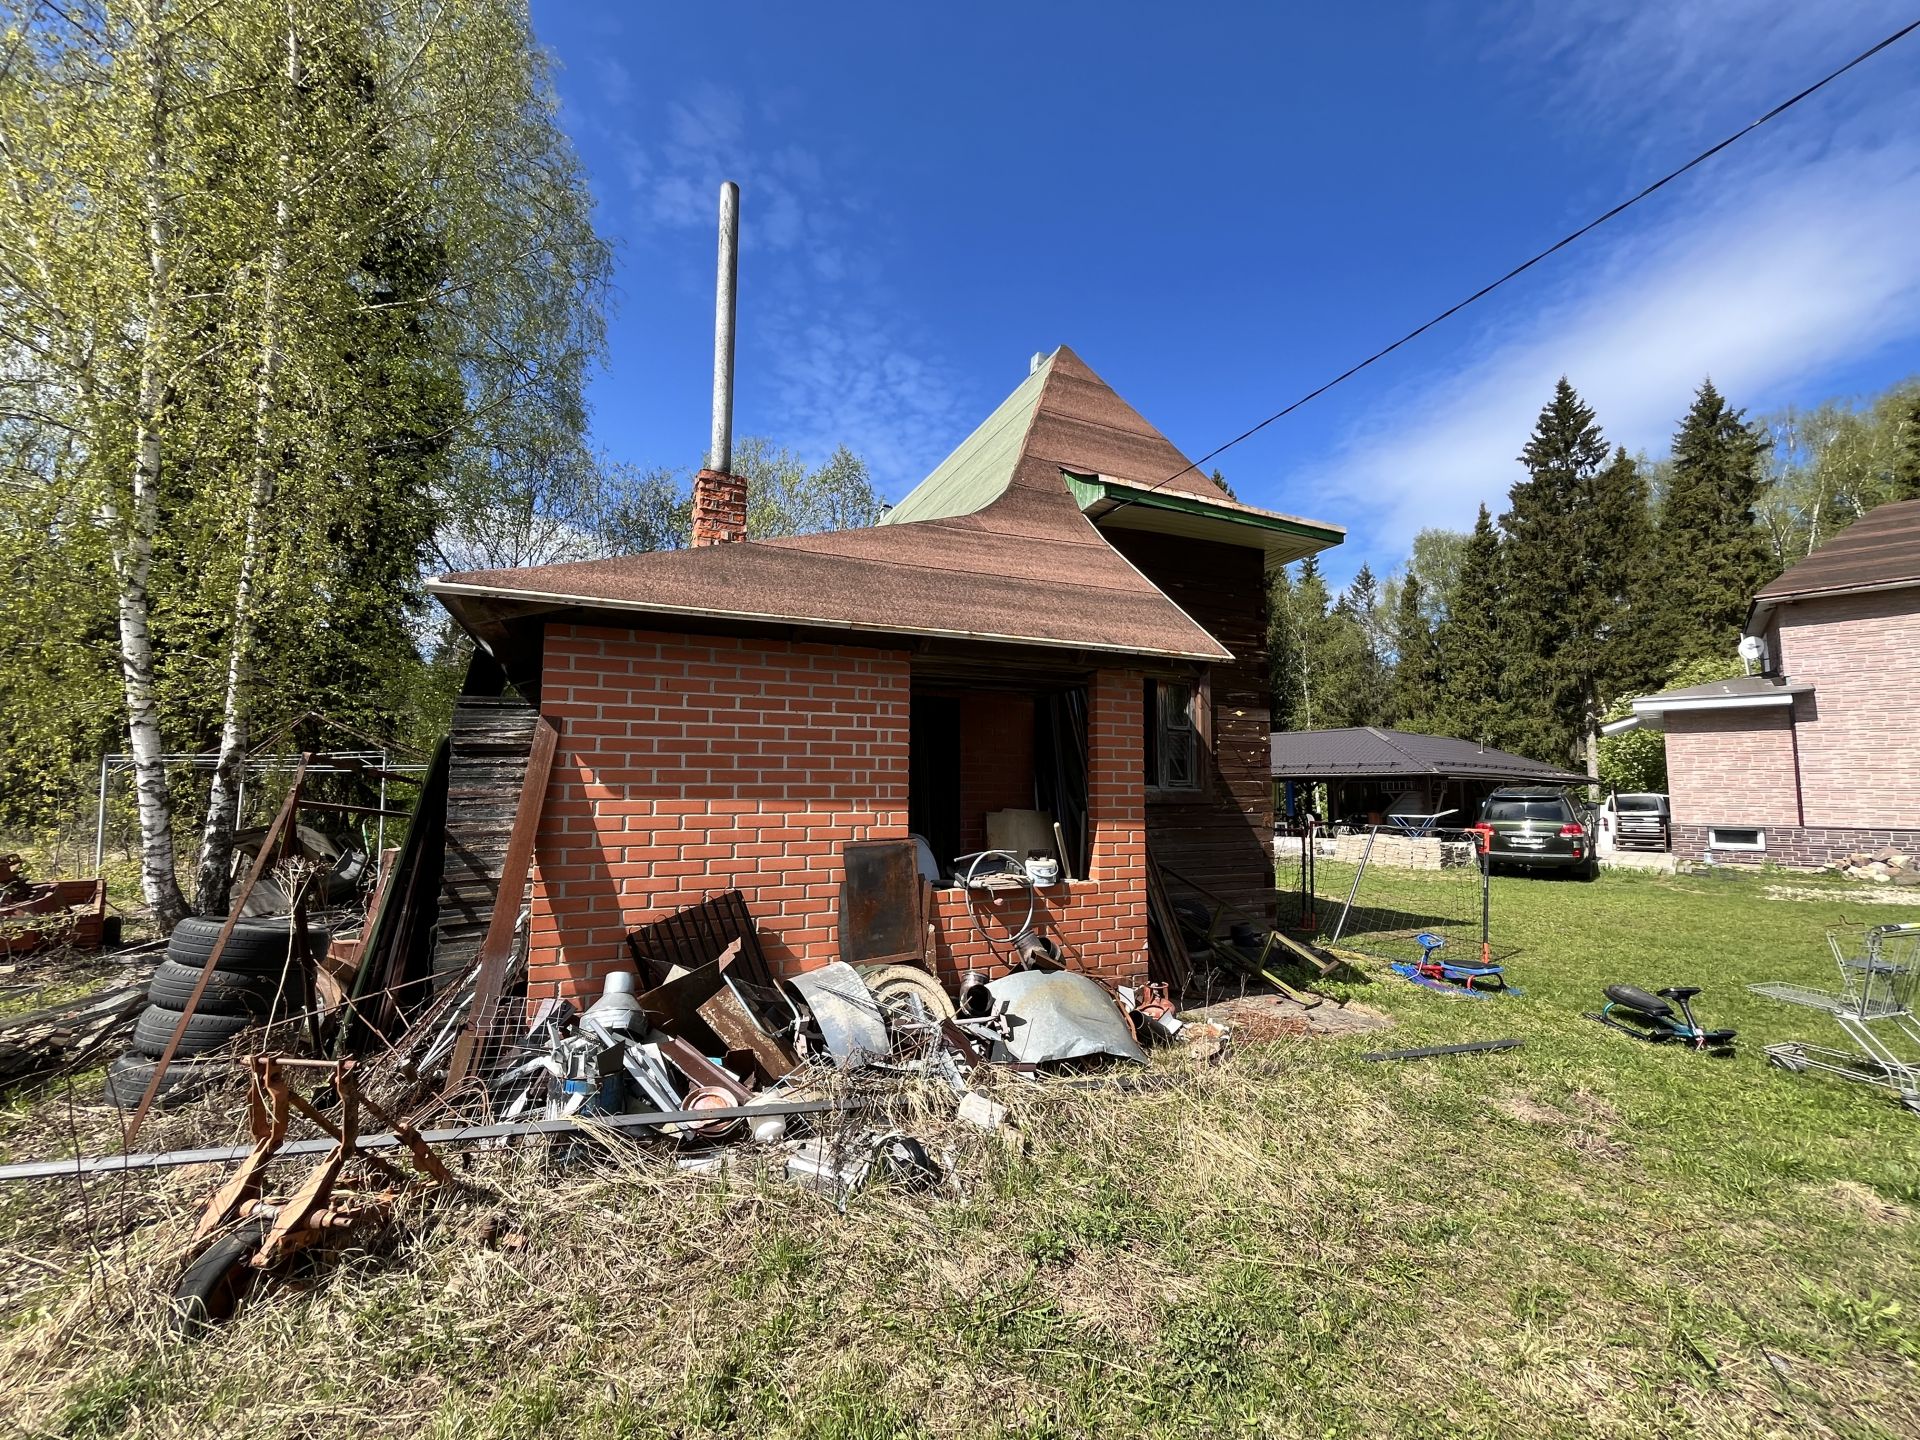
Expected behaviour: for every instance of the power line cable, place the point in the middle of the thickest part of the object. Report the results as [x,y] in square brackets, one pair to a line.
[1526,265]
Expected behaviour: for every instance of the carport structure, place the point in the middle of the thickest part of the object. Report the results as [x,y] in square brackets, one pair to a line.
[1369,770]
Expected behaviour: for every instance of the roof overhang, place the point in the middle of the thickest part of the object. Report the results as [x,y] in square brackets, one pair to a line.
[1125,505]
[483,609]
[1761,611]
[1650,711]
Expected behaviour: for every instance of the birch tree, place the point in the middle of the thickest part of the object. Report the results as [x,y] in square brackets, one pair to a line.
[286,279]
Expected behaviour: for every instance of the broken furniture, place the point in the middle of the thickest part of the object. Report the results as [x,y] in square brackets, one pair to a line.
[691,937]
[1875,1006]
[321,1211]
[1652,1018]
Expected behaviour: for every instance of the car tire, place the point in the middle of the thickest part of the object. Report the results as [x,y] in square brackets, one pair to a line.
[1590,871]
[256,947]
[155,1027]
[220,1277]
[227,992]
[129,1075]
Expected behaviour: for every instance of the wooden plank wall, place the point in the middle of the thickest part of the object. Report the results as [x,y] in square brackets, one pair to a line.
[490,741]
[1221,838]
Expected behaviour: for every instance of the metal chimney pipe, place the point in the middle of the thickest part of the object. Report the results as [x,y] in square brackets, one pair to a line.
[727,286]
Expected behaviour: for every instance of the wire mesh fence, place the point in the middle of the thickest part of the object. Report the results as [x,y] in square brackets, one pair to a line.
[1377,890]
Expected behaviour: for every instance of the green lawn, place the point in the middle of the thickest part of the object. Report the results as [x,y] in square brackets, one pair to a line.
[1586,1236]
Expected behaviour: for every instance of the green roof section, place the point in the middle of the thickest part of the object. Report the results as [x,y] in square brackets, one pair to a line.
[980,470]
[1109,502]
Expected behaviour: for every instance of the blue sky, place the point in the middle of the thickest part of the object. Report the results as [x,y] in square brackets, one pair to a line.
[1220,207]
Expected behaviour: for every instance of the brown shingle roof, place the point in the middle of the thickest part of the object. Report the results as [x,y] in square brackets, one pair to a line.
[1880,549]
[1023,567]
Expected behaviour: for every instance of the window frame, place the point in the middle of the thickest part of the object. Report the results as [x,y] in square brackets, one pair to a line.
[1198,730]
[1757,845]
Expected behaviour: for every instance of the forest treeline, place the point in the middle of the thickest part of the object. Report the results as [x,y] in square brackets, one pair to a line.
[1607,576]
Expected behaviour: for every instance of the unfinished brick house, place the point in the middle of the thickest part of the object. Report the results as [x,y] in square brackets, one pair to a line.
[1062,617]
[1817,756]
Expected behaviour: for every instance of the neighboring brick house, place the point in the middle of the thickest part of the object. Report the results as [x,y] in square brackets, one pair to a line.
[1819,754]
[1063,616]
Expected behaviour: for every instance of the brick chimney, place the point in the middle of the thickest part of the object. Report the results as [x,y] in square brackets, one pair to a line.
[719,508]
[719,496]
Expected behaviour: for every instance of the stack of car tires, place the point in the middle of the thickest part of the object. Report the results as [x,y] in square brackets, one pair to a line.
[237,995]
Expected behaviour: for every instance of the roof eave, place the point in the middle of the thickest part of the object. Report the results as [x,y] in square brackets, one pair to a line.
[448,590]
[1764,604]
[1108,501]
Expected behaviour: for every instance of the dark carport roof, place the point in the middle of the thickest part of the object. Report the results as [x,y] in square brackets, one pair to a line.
[1368,752]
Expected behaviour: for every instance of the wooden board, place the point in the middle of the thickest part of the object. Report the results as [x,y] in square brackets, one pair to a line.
[487,767]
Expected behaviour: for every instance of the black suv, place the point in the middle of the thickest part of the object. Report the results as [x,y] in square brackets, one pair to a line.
[1540,828]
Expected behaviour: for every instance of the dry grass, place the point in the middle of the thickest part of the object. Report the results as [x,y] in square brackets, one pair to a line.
[1582,1237]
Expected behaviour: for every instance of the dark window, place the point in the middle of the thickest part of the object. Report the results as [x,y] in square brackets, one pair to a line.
[1528,810]
[1171,743]
[1639,804]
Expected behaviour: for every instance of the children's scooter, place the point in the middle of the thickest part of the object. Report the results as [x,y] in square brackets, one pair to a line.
[1653,1019]
[1479,979]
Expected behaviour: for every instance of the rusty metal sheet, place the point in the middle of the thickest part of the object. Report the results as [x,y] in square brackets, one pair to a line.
[880,902]
[738,1030]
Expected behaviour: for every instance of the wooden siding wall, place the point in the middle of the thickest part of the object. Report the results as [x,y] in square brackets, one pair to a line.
[1221,838]
[487,766]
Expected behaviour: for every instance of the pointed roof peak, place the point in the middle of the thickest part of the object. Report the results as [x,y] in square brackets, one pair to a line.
[1062,418]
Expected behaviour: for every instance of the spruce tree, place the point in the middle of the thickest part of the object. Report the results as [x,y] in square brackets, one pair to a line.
[1354,684]
[1712,554]
[1470,659]
[1415,660]
[1575,533]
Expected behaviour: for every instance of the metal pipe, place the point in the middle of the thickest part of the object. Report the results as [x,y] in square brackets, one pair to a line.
[1354,889]
[727,285]
[100,821]
[386,1140]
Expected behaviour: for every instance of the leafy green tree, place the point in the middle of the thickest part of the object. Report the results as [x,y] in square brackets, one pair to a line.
[1437,556]
[1575,540]
[1712,556]
[1285,658]
[285,278]
[1636,760]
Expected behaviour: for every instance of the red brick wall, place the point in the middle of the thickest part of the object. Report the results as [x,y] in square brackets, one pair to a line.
[996,760]
[691,765]
[1859,744]
[1099,921]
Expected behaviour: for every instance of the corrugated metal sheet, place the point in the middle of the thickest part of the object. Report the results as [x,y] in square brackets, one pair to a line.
[1366,751]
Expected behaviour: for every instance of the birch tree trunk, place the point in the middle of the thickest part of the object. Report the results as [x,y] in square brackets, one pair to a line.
[216,842]
[133,532]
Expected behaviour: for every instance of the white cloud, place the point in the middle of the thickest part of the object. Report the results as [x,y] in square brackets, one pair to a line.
[1774,263]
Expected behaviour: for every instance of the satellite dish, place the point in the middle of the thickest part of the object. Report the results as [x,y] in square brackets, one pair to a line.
[1753,650]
